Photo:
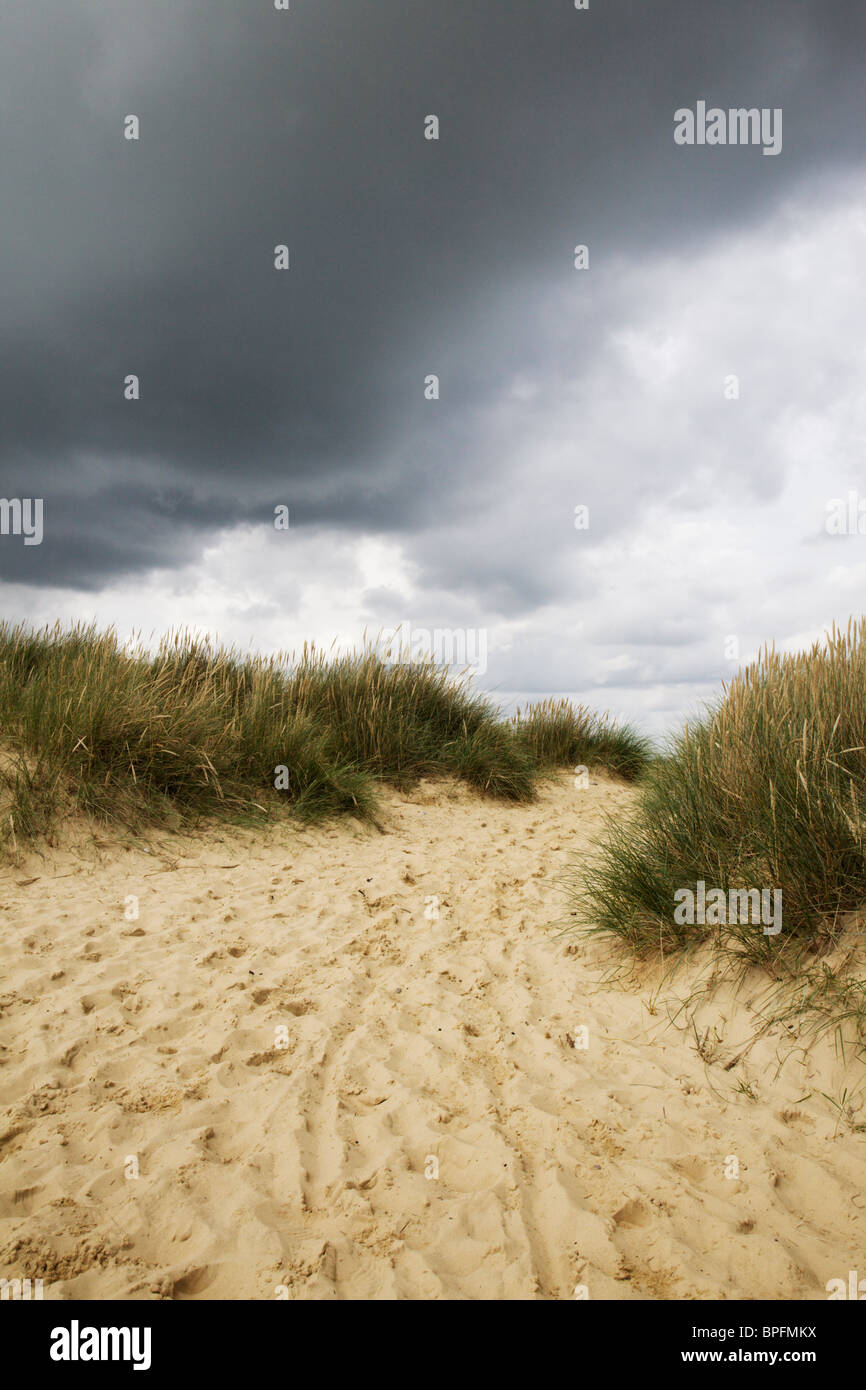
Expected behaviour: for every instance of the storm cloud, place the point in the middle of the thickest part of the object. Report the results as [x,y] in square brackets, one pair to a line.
[411,257]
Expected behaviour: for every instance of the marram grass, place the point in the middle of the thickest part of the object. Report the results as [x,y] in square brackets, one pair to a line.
[768,791]
[130,737]
[564,735]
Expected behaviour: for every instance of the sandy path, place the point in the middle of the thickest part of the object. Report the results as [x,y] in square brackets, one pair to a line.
[306,1159]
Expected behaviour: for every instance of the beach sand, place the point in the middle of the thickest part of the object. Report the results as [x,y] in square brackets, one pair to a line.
[347,1062]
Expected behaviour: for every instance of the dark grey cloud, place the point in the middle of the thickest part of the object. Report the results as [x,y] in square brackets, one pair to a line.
[408,256]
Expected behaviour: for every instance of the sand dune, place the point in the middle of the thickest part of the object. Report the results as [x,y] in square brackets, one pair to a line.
[300,1029]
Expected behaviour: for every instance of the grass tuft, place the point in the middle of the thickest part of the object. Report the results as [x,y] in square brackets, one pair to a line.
[560,734]
[767,791]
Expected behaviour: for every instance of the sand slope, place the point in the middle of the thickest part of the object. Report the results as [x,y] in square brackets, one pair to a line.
[298,1160]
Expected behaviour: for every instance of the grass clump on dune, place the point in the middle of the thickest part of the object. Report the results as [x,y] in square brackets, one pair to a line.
[130,739]
[564,735]
[135,737]
[405,720]
[767,792]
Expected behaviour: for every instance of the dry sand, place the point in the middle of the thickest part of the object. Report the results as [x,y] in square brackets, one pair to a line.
[302,1162]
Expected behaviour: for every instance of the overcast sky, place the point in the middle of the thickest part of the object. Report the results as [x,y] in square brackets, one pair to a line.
[608,387]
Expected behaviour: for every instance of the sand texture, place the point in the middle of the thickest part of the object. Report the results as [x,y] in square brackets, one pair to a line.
[301,1029]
